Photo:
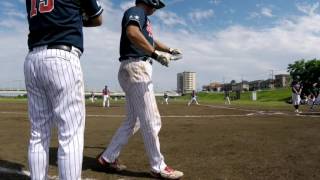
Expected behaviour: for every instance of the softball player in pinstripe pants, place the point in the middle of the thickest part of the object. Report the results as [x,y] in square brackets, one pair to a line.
[54,83]
[135,77]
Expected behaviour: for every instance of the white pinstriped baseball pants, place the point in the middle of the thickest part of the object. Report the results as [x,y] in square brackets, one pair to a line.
[142,112]
[55,90]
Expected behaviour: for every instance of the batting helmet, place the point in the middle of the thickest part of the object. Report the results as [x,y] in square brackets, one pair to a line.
[158,4]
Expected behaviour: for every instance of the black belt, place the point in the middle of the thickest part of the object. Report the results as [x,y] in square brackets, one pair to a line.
[147,59]
[62,47]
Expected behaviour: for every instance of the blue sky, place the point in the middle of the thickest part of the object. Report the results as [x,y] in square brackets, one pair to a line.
[220,39]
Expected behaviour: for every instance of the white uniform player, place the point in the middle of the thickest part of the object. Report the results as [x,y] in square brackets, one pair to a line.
[106,97]
[63,85]
[296,88]
[193,98]
[92,97]
[166,98]
[135,77]
[54,83]
[226,97]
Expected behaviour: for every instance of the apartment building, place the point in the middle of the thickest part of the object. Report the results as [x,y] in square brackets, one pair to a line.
[186,82]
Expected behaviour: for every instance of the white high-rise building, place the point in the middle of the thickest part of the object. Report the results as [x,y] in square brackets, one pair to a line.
[186,82]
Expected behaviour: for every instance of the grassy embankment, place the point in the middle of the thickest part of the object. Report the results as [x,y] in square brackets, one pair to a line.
[275,97]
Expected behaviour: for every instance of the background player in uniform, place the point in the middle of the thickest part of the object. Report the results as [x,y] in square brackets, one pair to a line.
[92,97]
[315,94]
[193,98]
[54,82]
[135,77]
[166,98]
[296,88]
[227,97]
[106,97]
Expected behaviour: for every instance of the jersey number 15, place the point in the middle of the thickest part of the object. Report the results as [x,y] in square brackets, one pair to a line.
[45,6]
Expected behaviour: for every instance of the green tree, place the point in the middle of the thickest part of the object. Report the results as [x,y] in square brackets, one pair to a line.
[308,71]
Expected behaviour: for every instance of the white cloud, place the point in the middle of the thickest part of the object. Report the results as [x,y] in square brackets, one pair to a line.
[253,15]
[22,2]
[263,12]
[229,53]
[241,51]
[266,12]
[7,4]
[15,14]
[15,19]
[231,11]
[170,18]
[13,25]
[216,2]
[173,2]
[127,4]
[199,15]
[13,50]
[309,9]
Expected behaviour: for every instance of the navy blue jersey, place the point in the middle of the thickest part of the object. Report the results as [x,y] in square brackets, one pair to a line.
[193,94]
[58,21]
[135,16]
[295,85]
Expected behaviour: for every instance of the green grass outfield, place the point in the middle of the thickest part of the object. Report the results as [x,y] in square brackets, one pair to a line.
[13,99]
[265,98]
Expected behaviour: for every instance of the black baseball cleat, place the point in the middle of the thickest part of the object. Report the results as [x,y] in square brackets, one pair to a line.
[107,166]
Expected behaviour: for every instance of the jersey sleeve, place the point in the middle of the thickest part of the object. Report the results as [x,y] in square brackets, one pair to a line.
[134,16]
[92,8]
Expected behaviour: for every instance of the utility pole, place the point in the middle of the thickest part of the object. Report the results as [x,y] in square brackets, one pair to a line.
[272,79]
[224,84]
[241,88]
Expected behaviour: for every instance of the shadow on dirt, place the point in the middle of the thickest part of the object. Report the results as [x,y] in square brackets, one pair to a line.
[90,163]
[12,171]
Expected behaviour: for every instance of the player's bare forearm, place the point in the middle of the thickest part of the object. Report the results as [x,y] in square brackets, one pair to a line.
[160,46]
[294,90]
[136,37]
[94,22]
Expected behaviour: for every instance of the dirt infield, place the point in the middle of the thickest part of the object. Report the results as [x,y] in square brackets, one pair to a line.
[207,142]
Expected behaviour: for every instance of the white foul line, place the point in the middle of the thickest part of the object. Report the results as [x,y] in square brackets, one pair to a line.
[174,116]
[270,113]
[250,113]
[231,108]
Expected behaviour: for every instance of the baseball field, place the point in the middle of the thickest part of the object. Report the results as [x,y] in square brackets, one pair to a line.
[207,142]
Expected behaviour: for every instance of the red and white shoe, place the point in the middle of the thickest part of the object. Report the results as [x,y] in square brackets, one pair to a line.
[168,173]
[107,166]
